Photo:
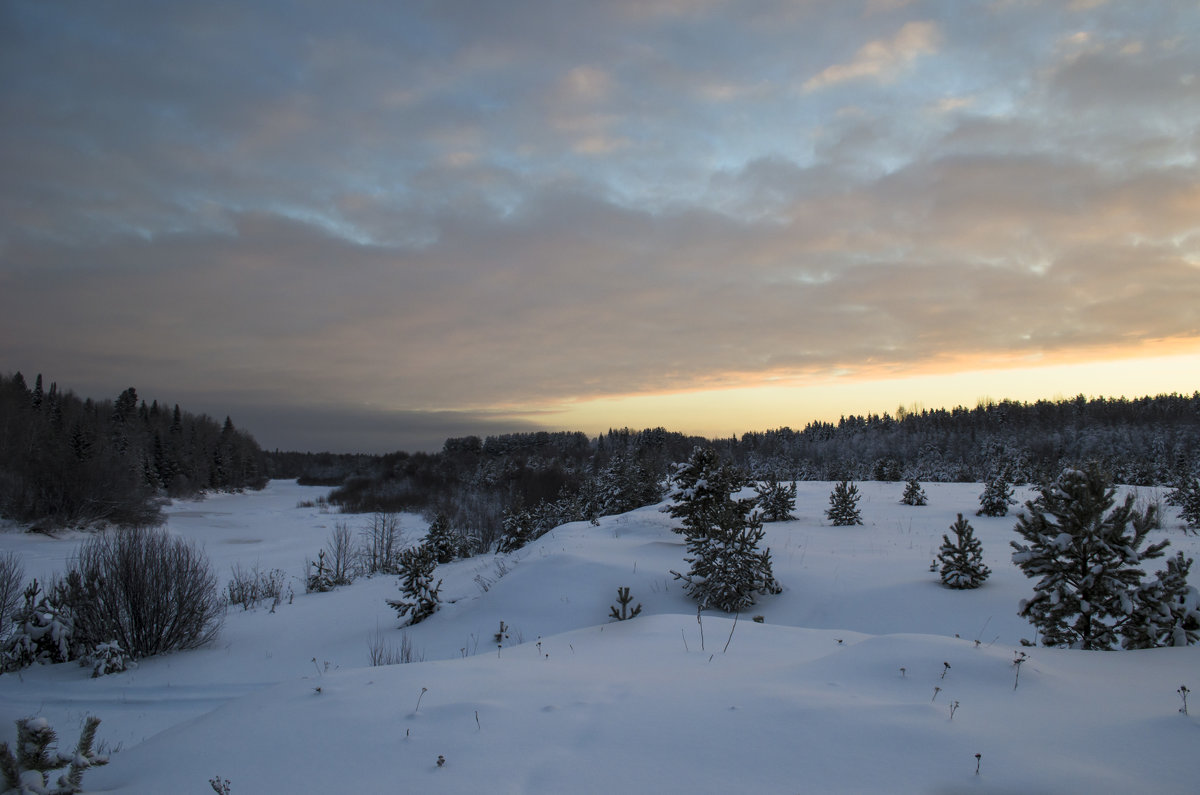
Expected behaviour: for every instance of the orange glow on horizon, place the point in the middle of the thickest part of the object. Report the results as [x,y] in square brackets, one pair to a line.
[762,402]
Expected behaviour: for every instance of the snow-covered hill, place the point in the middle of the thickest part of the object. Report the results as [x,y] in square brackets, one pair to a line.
[839,689]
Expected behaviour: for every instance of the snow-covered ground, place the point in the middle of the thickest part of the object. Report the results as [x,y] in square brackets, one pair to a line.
[839,689]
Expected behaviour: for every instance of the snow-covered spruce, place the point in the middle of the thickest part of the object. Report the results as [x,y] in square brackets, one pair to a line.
[843,505]
[1089,564]
[43,631]
[416,584]
[1186,496]
[996,497]
[962,559]
[914,494]
[723,535]
[703,486]
[775,500]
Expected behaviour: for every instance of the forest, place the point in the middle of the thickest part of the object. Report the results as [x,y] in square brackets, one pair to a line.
[67,461]
[516,484]
[70,461]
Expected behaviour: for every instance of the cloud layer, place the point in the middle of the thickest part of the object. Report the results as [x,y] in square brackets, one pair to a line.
[451,206]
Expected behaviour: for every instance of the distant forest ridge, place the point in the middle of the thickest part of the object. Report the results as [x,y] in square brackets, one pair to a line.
[70,461]
[480,483]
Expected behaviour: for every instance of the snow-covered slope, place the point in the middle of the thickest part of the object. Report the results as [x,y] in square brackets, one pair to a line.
[814,698]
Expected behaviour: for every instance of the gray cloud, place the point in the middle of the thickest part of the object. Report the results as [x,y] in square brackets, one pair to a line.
[421,216]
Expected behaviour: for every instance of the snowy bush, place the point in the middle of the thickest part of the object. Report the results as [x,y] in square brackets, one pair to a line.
[1089,562]
[962,559]
[144,589]
[914,494]
[775,500]
[108,658]
[996,497]
[28,772]
[381,543]
[43,631]
[843,505]
[249,587]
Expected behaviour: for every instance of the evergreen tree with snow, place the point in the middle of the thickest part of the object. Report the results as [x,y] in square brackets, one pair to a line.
[775,500]
[914,494]
[441,540]
[320,577]
[43,631]
[421,598]
[843,505]
[1166,611]
[1088,561]
[703,487]
[996,497]
[1186,496]
[962,559]
[723,536]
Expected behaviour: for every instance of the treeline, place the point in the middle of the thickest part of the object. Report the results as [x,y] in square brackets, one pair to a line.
[67,461]
[514,485]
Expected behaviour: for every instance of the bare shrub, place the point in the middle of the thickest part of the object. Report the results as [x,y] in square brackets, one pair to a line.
[381,542]
[148,591]
[12,573]
[383,653]
[249,587]
[339,555]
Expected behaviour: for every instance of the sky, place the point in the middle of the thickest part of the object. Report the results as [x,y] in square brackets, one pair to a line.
[371,226]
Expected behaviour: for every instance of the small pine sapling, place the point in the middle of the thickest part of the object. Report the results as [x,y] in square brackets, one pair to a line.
[1183,694]
[776,501]
[416,584]
[978,759]
[29,770]
[1186,496]
[320,576]
[624,599]
[843,505]
[220,785]
[996,497]
[962,559]
[914,494]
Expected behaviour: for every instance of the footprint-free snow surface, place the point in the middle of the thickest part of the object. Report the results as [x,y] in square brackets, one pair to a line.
[864,675]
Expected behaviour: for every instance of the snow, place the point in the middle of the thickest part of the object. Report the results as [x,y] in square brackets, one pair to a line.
[811,699]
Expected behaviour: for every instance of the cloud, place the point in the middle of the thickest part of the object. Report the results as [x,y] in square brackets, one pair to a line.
[411,210]
[881,59]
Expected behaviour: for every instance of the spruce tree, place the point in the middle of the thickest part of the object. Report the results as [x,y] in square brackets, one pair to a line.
[962,558]
[1186,496]
[1088,561]
[416,584]
[441,540]
[843,505]
[775,500]
[914,494]
[996,497]
[723,536]
[1166,611]
[703,486]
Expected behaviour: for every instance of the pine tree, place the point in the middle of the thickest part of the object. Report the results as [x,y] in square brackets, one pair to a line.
[723,536]
[1186,496]
[996,497]
[441,540]
[962,558]
[776,501]
[416,584]
[1166,611]
[1089,563]
[29,770]
[703,486]
[914,494]
[843,505]
[320,576]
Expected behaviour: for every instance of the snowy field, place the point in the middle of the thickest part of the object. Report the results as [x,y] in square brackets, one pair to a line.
[843,687]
